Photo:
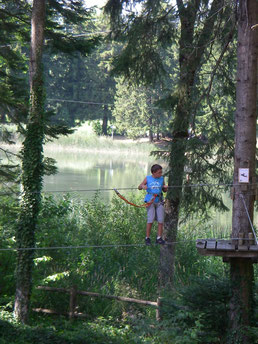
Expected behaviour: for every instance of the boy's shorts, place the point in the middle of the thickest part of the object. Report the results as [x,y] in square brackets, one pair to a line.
[155,212]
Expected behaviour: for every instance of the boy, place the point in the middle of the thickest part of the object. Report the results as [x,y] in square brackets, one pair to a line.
[154,184]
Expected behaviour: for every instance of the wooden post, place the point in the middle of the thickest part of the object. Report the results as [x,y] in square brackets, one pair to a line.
[72,304]
[158,310]
[241,237]
[251,239]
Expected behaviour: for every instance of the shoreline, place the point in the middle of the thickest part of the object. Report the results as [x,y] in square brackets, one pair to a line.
[103,145]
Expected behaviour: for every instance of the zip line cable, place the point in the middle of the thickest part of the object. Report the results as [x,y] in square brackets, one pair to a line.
[127,188]
[78,101]
[99,246]
[56,248]
[91,103]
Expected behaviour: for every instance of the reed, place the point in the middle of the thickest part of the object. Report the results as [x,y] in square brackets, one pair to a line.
[84,139]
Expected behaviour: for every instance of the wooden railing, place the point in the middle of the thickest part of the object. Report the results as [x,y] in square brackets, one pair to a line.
[73,292]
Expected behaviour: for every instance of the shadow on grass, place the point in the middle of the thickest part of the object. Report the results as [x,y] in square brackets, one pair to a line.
[69,334]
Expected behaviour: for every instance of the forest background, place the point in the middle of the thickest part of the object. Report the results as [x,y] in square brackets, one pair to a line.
[82,89]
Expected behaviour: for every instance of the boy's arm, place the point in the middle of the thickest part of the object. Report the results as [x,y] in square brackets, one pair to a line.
[143,185]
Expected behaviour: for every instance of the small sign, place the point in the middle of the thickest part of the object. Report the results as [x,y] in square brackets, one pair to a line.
[243,175]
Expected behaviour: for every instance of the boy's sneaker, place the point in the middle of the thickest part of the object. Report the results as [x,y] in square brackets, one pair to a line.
[147,241]
[160,241]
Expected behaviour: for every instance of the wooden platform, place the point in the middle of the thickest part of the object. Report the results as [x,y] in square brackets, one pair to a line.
[226,248]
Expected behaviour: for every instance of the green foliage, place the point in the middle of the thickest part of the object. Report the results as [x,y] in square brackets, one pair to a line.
[8,215]
[144,38]
[80,88]
[194,313]
[135,111]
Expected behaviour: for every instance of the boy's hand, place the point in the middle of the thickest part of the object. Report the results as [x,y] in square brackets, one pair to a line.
[142,187]
[165,188]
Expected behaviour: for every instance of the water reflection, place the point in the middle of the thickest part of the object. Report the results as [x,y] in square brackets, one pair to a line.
[85,173]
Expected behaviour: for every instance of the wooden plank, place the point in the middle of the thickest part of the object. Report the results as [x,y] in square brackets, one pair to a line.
[211,244]
[243,248]
[225,245]
[200,243]
[253,248]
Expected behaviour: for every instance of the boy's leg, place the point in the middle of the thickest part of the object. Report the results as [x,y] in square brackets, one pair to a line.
[148,229]
[160,229]
[160,218]
[150,219]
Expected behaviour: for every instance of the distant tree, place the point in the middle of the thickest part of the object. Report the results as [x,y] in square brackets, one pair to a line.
[80,88]
[136,113]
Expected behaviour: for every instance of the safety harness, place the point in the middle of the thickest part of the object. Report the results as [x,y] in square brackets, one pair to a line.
[145,205]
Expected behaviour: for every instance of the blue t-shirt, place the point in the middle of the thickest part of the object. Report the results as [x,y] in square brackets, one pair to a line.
[154,186]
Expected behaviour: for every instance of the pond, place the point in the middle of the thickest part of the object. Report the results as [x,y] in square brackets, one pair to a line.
[83,174]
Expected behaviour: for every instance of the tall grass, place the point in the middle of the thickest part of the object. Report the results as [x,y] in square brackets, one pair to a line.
[84,139]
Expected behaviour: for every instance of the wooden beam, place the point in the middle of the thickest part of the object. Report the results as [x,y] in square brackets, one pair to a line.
[89,293]
[119,298]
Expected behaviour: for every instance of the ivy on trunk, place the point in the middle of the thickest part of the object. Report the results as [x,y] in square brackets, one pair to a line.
[32,166]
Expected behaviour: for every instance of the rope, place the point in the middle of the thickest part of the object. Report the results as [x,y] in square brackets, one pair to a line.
[131,188]
[145,205]
[249,219]
[102,246]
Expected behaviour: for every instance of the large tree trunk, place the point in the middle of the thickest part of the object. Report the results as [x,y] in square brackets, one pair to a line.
[32,166]
[191,51]
[245,145]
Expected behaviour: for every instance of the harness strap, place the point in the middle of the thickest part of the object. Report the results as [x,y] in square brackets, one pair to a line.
[145,205]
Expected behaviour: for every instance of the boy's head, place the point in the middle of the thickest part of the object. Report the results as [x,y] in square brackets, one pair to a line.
[156,170]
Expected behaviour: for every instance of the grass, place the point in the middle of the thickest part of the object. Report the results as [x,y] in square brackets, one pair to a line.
[61,331]
[84,139]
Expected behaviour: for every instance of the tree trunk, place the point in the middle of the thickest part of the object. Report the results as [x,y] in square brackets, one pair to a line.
[150,130]
[105,121]
[191,51]
[32,166]
[241,272]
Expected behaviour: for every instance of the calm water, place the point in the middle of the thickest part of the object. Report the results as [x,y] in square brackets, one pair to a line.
[81,174]
[84,173]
